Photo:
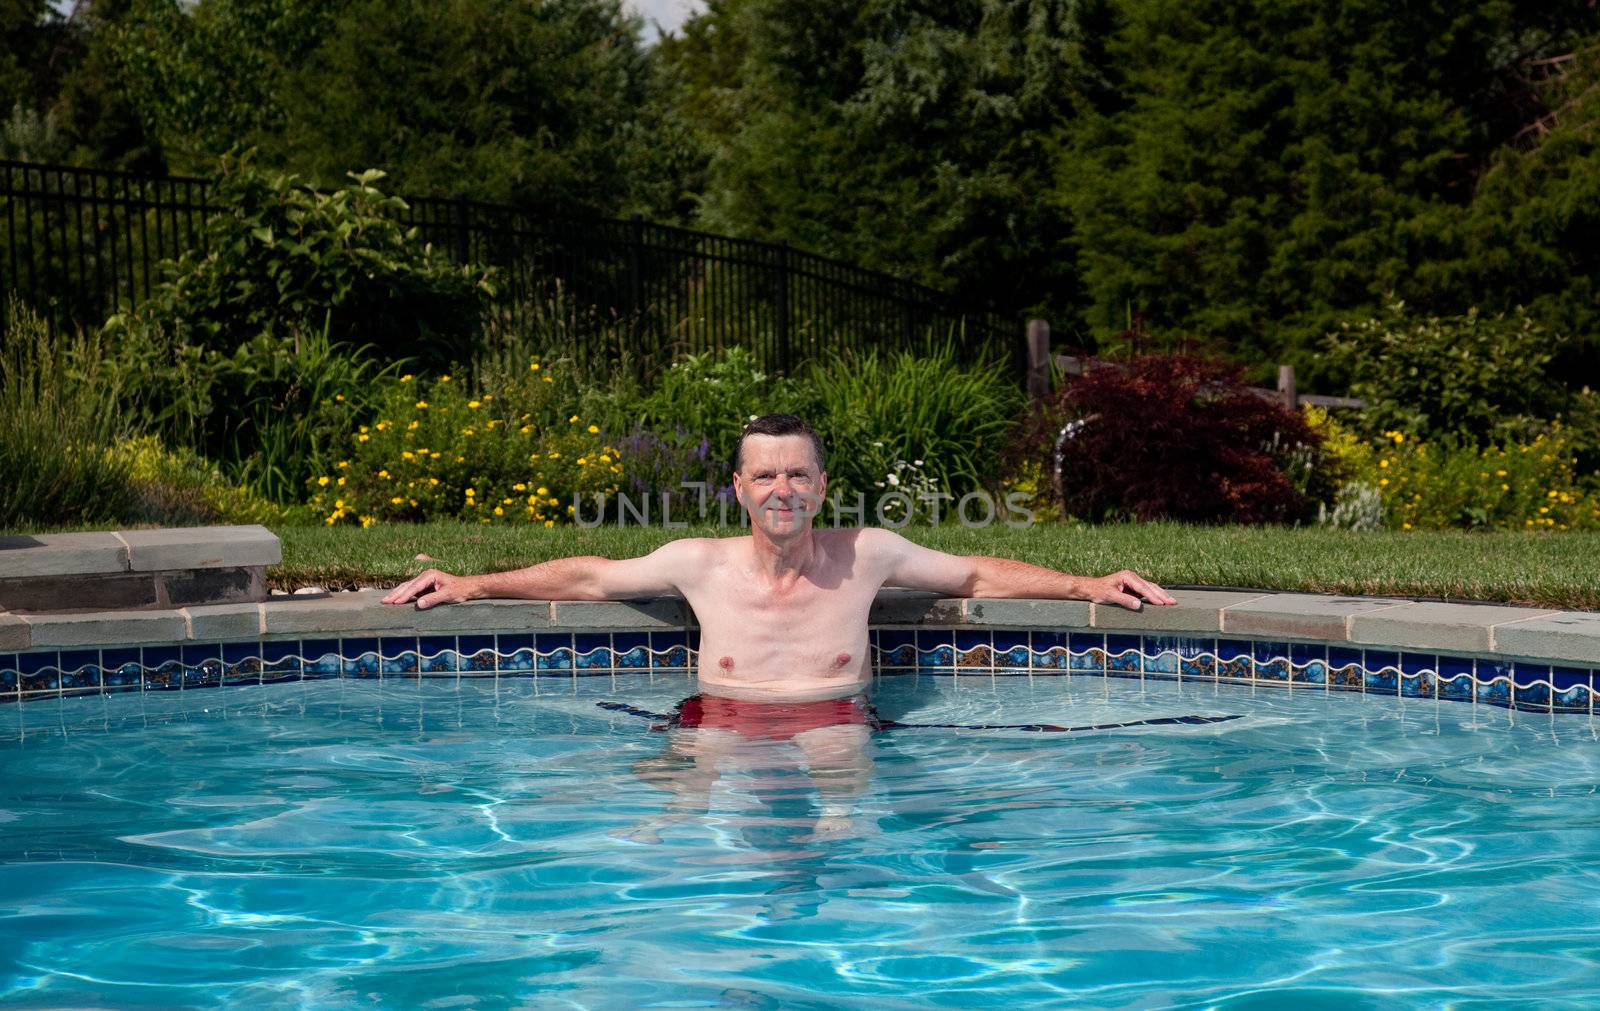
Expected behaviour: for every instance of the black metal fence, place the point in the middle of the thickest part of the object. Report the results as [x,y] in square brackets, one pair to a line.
[78,244]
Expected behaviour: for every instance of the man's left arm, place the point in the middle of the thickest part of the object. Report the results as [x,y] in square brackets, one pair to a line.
[915,567]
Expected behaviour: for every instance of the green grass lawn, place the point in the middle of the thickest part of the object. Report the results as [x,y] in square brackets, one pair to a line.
[1560,570]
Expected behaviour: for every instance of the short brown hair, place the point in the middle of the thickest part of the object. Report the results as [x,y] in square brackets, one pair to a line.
[778,424]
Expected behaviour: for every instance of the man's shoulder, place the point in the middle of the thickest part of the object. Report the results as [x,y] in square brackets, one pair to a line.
[869,541]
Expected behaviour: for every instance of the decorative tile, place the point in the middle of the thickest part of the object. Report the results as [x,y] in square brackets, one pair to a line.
[935,648]
[241,663]
[38,672]
[631,650]
[974,649]
[1271,661]
[1160,655]
[398,656]
[1419,686]
[1570,688]
[163,668]
[668,651]
[1344,669]
[80,671]
[1049,651]
[438,654]
[518,653]
[280,661]
[1236,659]
[320,658]
[476,654]
[1308,663]
[1455,678]
[591,651]
[202,665]
[121,669]
[1011,649]
[1531,686]
[1124,655]
[8,677]
[1197,657]
[1493,683]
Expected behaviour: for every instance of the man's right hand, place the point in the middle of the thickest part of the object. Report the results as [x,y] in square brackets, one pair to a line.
[445,589]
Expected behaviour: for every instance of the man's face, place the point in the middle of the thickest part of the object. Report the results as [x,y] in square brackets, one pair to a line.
[780,482]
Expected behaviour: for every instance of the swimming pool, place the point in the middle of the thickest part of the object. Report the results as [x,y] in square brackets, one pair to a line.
[473,842]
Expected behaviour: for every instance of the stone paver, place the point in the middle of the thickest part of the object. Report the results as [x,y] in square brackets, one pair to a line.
[215,622]
[1195,611]
[106,628]
[30,555]
[1300,615]
[14,633]
[914,607]
[1570,637]
[662,612]
[1461,628]
[201,547]
[1027,613]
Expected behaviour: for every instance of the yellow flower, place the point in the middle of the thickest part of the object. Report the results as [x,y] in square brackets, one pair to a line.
[534,367]
[322,481]
[474,404]
[583,461]
[467,432]
[573,419]
[555,454]
[543,490]
[382,425]
[1505,487]
[364,428]
[422,405]
[499,511]
[383,473]
[433,481]
[549,523]
[341,480]
[471,492]
[338,503]
[1405,526]
[1383,463]
[1383,481]
[406,378]
[526,429]
[604,458]
[338,396]
[396,500]
[433,455]
[363,438]
[367,521]
[1544,509]
[548,380]
[594,429]
[507,501]
[405,454]
[1551,494]
[411,427]
[413,501]
[519,486]
[532,501]
[444,379]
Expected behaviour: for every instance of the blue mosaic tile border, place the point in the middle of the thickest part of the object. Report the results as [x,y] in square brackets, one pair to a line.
[1539,687]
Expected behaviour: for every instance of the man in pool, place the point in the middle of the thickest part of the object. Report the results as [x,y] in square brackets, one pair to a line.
[782,612]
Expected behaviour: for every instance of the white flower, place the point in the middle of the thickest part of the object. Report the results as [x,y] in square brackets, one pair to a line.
[878,445]
[754,416]
[894,481]
[916,463]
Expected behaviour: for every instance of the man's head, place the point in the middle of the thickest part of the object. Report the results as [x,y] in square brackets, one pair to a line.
[778,473]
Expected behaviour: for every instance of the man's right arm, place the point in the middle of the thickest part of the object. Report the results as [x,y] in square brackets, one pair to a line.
[583,577]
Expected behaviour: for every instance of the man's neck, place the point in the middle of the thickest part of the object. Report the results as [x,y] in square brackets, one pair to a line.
[783,561]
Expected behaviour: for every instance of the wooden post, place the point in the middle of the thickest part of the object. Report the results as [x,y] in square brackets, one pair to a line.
[1038,359]
[1286,386]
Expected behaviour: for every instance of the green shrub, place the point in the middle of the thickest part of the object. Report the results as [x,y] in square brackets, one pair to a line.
[439,450]
[876,410]
[1450,483]
[179,488]
[1481,378]
[280,256]
[55,424]
[270,413]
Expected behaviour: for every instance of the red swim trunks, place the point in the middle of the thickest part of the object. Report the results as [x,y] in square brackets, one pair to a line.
[777,720]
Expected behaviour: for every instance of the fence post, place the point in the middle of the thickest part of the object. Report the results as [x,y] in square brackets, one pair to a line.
[1286,386]
[783,306]
[635,282]
[463,234]
[1038,345]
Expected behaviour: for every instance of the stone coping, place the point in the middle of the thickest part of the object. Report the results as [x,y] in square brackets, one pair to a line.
[28,556]
[1568,637]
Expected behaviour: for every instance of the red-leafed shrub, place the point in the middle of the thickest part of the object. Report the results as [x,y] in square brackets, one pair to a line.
[1176,437]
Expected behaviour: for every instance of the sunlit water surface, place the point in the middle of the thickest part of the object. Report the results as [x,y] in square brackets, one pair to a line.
[426,844]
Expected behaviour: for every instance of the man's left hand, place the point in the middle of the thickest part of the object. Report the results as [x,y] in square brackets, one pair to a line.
[1127,588]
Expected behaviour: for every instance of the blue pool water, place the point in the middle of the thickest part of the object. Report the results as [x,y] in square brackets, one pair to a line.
[429,844]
